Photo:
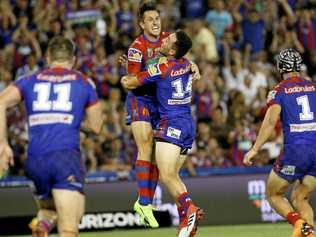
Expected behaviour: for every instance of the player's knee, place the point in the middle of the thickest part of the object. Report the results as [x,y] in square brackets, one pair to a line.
[167,175]
[298,197]
[145,149]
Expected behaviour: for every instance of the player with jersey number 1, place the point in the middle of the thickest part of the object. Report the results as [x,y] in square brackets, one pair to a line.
[56,101]
[176,128]
[294,99]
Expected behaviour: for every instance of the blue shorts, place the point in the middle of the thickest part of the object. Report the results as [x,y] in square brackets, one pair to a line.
[141,109]
[61,169]
[180,131]
[298,160]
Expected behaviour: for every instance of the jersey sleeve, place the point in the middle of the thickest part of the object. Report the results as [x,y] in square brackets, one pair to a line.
[134,58]
[152,74]
[92,94]
[21,84]
[275,96]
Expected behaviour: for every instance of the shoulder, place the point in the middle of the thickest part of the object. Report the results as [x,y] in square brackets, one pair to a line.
[138,43]
[136,50]
[83,78]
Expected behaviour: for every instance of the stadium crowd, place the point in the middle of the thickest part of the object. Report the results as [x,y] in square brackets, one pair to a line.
[234,44]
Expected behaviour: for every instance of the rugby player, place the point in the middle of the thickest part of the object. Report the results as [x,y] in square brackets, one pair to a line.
[176,128]
[142,112]
[294,100]
[141,107]
[56,101]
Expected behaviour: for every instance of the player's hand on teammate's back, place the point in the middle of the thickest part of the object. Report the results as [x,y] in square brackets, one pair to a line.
[6,158]
[196,71]
[129,82]
[248,158]
[123,61]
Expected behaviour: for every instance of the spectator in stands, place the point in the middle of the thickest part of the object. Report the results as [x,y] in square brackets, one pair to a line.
[218,18]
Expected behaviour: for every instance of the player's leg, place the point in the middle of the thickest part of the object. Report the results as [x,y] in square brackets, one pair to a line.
[138,115]
[70,208]
[169,164]
[68,174]
[301,196]
[143,135]
[38,170]
[167,156]
[276,188]
[45,220]
[293,166]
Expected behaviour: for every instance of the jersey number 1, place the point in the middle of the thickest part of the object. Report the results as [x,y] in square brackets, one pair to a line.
[43,103]
[306,114]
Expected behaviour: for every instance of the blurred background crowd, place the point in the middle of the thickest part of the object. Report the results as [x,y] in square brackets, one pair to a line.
[234,44]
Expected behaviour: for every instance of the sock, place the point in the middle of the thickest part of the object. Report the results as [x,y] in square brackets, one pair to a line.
[143,181]
[46,224]
[154,177]
[292,217]
[184,201]
[182,214]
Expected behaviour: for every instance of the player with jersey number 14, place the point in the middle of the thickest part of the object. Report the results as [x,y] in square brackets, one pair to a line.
[56,100]
[175,132]
[294,98]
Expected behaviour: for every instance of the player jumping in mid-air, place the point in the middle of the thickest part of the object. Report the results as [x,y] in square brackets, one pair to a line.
[295,100]
[176,130]
[56,100]
[141,106]
[142,112]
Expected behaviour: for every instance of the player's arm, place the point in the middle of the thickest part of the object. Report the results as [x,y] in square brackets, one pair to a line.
[94,118]
[94,110]
[268,125]
[195,70]
[8,98]
[134,59]
[153,73]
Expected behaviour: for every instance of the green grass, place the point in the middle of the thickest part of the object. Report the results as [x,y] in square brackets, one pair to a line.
[260,230]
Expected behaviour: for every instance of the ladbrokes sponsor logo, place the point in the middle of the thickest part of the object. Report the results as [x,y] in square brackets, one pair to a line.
[109,220]
[298,89]
[180,71]
[256,194]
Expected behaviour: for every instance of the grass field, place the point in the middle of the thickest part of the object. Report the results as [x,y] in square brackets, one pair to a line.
[260,230]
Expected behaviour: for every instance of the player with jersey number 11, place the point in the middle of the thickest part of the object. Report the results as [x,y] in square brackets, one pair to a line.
[294,98]
[56,101]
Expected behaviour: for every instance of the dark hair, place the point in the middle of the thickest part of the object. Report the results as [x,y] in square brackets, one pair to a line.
[183,44]
[60,49]
[146,6]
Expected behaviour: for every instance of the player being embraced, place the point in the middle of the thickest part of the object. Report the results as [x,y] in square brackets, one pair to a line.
[142,107]
[176,129]
[294,99]
[56,101]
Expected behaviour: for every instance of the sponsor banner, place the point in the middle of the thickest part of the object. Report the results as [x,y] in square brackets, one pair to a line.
[226,199]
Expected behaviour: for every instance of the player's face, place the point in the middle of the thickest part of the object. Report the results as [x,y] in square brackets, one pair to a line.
[151,23]
[167,45]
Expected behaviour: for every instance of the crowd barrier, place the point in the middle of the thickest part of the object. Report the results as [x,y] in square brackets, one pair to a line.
[228,196]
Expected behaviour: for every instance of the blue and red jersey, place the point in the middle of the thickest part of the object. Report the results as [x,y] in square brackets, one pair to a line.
[173,86]
[297,98]
[55,101]
[141,54]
